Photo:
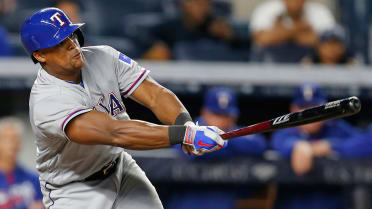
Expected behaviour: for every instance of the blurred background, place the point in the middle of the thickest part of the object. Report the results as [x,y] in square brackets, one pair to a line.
[232,63]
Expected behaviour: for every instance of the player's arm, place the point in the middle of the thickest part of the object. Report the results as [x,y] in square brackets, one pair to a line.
[96,127]
[161,101]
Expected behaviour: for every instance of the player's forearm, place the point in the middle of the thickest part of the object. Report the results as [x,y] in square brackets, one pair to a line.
[96,127]
[139,135]
[167,107]
[161,101]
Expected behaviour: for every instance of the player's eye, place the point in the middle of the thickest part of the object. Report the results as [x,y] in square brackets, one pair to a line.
[73,37]
[62,43]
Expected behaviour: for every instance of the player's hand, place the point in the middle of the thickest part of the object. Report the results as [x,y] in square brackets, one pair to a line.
[202,139]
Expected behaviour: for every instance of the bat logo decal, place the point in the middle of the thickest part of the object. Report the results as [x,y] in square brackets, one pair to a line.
[281,119]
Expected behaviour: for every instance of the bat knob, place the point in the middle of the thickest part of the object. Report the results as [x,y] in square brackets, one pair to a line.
[354,104]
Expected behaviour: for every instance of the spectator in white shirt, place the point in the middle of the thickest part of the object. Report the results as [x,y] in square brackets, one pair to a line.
[290,22]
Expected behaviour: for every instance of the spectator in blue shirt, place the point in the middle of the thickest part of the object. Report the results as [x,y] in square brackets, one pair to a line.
[304,143]
[331,49]
[19,188]
[220,109]
[5,49]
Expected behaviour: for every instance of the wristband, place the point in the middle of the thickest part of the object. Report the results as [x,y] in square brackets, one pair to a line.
[176,134]
[182,118]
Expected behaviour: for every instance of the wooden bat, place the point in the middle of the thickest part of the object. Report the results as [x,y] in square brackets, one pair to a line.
[331,110]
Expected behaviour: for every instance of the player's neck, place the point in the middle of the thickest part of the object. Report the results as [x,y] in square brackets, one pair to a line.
[74,76]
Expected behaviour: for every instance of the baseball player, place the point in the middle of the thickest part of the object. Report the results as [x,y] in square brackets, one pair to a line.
[81,124]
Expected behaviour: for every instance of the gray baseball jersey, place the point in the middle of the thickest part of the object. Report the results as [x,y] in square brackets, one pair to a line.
[106,76]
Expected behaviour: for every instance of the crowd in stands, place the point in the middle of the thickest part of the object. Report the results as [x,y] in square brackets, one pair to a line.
[280,31]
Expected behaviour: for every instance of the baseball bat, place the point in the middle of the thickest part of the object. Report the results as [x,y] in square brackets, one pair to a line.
[328,111]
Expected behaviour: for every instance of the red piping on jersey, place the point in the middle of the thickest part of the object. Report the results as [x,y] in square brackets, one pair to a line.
[50,192]
[63,124]
[139,78]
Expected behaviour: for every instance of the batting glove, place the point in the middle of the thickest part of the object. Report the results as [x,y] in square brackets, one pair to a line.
[189,149]
[202,139]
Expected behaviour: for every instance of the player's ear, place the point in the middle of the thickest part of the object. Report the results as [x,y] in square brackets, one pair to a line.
[39,56]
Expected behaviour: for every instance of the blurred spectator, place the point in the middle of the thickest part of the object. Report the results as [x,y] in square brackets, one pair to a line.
[196,22]
[331,49]
[71,8]
[5,48]
[7,6]
[220,109]
[286,30]
[304,143]
[19,189]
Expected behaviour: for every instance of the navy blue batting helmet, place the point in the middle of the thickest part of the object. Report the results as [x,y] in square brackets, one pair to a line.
[47,28]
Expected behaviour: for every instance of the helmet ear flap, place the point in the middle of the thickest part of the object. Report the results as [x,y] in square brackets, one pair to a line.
[80,36]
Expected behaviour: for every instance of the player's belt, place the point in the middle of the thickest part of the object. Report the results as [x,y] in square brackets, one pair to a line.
[105,172]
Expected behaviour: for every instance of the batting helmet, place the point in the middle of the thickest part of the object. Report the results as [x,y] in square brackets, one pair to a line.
[47,28]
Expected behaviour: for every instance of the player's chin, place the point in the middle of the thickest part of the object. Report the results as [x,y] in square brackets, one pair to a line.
[78,63]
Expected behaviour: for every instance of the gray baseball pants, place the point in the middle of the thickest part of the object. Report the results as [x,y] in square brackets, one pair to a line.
[127,188]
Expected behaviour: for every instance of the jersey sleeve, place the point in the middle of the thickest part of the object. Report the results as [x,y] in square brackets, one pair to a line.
[129,73]
[51,115]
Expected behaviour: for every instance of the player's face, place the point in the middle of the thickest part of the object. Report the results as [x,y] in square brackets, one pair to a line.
[10,143]
[223,122]
[66,57]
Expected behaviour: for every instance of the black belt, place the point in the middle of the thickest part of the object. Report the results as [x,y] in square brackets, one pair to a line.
[105,172]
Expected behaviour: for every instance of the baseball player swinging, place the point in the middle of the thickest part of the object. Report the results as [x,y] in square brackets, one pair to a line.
[81,124]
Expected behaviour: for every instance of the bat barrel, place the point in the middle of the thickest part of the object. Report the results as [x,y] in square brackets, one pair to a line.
[329,111]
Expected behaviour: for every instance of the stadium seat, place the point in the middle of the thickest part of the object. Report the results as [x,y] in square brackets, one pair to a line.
[209,50]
